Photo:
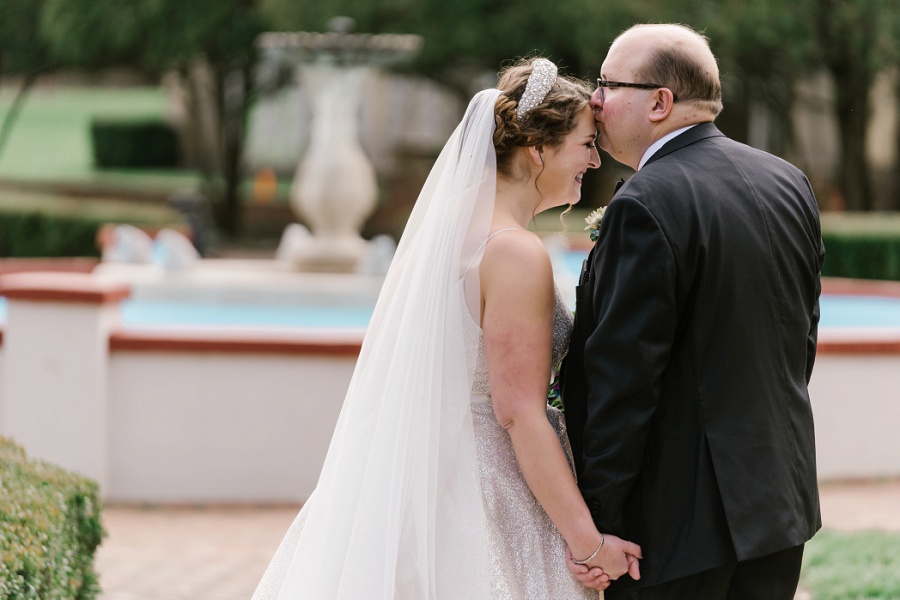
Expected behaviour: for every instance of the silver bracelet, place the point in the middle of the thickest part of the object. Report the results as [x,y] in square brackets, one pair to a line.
[591,557]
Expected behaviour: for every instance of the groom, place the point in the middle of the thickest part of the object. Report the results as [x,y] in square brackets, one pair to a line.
[685,388]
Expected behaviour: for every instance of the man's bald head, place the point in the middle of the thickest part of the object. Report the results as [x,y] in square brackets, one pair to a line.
[679,58]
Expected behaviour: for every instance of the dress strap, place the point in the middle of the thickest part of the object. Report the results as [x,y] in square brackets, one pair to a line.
[484,243]
[500,231]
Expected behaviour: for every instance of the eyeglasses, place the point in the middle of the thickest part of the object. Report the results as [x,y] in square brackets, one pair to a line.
[602,83]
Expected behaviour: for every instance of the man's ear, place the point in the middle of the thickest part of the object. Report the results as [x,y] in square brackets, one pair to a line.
[534,154]
[663,100]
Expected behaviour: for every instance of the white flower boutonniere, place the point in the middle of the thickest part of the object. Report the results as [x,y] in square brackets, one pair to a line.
[593,221]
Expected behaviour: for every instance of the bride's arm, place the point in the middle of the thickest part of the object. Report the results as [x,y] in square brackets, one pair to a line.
[517,321]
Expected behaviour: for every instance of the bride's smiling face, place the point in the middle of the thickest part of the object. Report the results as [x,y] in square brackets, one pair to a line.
[565,164]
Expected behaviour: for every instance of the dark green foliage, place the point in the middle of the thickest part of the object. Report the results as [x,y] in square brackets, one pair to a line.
[133,144]
[861,245]
[34,234]
[862,255]
[46,225]
[22,47]
[467,37]
[49,530]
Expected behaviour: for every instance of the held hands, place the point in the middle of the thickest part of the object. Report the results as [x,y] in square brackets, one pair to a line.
[589,577]
[616,558]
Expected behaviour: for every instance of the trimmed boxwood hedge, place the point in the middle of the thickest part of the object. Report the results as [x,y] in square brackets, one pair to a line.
[42,235]
[133,143]
[48,225]
[862,256]
[49,530]
[862,246]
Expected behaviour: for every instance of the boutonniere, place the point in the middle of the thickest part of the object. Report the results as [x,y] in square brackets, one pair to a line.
[593,221]
[554,394]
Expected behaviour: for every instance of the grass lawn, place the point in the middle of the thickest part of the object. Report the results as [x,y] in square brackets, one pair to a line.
[51,138]
[852,566]
[50,141]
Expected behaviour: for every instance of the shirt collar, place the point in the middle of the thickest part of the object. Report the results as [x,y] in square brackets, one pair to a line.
[648,154]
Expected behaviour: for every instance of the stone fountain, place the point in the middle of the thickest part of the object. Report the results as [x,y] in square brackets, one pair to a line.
[334,189]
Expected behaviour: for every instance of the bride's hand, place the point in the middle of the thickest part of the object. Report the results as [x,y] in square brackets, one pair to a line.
[618,557]
[589,577]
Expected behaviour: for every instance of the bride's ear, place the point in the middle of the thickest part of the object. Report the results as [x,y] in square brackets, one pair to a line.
[535,154]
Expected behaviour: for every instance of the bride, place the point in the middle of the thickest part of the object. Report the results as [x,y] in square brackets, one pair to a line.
[448,476]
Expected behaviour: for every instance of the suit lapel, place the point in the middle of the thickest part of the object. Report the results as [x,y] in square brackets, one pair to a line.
[691,136]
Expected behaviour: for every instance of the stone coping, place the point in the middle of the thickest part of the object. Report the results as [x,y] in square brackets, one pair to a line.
[51,286]
[234,342]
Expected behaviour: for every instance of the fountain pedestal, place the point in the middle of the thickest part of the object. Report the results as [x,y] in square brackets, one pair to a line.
[335,189]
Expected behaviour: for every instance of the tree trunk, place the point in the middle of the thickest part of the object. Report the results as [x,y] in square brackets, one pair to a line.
[15,109]
[852,104]
[233,103]
[849,56]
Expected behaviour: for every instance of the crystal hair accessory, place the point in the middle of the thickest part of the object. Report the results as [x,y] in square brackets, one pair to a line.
[542,78]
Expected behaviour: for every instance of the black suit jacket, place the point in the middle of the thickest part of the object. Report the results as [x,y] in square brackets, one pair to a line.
[685,388]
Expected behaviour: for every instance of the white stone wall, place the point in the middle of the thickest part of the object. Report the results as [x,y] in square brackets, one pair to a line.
[214,427]
[856,407]
[207,421]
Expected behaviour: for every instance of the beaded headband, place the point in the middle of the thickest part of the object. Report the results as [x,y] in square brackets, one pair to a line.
[542,78]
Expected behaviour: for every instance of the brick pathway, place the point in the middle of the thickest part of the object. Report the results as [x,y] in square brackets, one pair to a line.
[220,553]
[187,553]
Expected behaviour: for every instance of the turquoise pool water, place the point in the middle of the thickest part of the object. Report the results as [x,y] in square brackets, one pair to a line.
[837,311]
[142,314]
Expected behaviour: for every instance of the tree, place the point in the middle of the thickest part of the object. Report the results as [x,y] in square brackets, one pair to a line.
[769,44]
[853,45]
[469,37]
[22,53]
[766,47]
[207,44]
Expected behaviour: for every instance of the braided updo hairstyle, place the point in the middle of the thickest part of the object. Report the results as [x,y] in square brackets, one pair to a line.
[545,125]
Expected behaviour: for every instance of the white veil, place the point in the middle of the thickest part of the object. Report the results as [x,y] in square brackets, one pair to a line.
[398,513]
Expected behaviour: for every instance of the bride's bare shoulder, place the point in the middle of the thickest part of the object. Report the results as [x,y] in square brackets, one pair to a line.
[517,255]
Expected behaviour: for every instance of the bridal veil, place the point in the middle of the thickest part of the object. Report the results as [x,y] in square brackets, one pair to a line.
[397,512]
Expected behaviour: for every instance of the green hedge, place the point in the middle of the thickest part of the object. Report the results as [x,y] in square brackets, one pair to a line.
[133,144]
[862,246]
[47,225]
[43,235]
[49,530]
[861,256]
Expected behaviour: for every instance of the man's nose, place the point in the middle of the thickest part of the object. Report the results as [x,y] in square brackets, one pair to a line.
[596,100]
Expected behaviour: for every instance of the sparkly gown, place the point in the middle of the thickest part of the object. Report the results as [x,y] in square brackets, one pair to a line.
[527,551]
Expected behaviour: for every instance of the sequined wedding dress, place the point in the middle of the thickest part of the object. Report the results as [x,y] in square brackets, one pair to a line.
[527,552]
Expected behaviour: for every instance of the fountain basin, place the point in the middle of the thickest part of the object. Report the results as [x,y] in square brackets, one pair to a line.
[165,411]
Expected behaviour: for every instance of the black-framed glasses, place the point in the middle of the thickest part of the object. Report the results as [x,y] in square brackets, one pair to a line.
[603,83]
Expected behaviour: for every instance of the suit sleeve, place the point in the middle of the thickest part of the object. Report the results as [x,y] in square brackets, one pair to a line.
[812,337]
[634,308]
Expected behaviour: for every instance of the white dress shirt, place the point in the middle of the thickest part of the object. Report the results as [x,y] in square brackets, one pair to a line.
[660,143]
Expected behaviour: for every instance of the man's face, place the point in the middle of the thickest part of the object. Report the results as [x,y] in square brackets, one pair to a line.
[621,117]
